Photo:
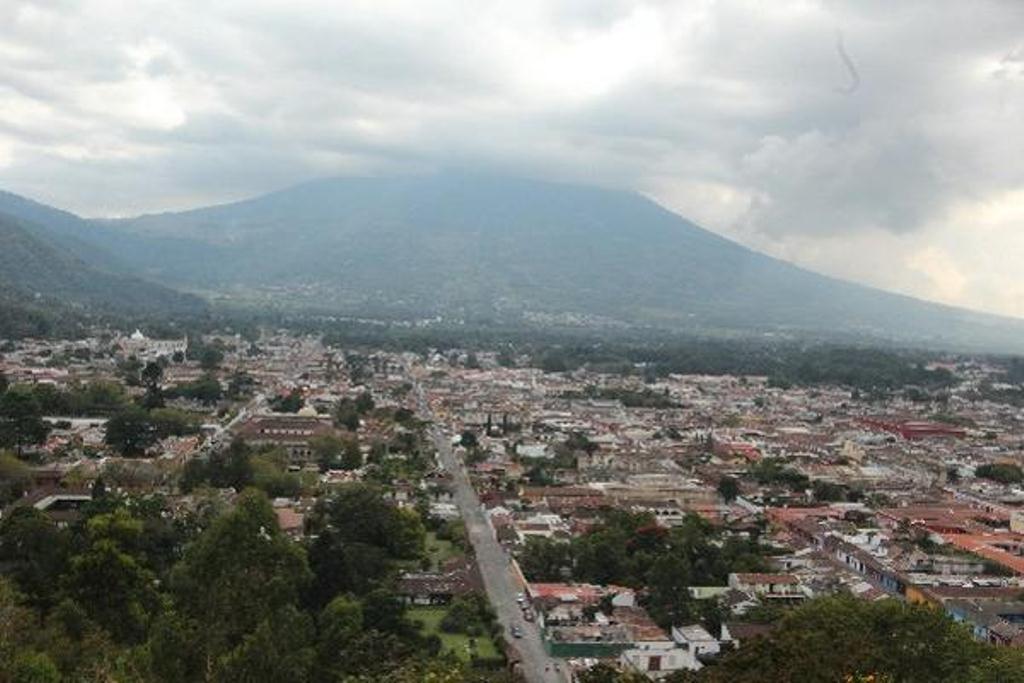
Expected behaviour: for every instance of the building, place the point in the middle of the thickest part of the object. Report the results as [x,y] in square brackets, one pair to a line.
[146,349]
[695,644]
[293,432]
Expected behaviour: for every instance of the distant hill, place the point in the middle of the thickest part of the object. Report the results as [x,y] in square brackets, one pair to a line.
[490,247]
[47,278]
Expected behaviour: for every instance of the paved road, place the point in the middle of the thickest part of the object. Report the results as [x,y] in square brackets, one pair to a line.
[499,579]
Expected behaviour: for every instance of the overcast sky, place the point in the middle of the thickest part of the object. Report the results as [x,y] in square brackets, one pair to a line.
[875,140]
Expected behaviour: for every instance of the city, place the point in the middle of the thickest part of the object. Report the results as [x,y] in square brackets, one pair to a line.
[547,341]
[530,489]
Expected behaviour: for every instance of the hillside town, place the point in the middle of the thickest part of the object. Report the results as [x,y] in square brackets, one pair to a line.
[647,524]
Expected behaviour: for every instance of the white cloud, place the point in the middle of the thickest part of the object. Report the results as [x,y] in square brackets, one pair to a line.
[732,112]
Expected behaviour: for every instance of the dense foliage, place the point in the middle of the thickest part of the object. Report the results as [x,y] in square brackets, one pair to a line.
[631,550]
[134,593]
[845,639]
[1004,473]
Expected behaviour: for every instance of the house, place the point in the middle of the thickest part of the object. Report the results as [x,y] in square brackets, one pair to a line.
[772,586]
[695,644]
[655,659]
[290,521]
[735,633]
[459,577]
[293,432]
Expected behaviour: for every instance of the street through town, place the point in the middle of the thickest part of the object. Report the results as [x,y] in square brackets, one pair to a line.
[499,579]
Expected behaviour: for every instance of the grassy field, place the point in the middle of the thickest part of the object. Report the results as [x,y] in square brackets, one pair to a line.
[459,643]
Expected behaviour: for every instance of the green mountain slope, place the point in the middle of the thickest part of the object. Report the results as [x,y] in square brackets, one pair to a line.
[497,247]
[43,272]
[472,245]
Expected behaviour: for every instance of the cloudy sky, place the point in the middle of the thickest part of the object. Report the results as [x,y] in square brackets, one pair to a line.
[874,140]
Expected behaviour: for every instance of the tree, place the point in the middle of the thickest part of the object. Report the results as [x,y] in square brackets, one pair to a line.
[544,559]
[130,369]
[279,650]
[172,422]
[240,384]
[364,403]
[291,403]
[834,639]
[351,456]
[240,573]
[340,622]
[384,612]
[34,667]
[468,439]
[359,538]
[327,451]
[15,478]
[606,673]
[114,590]
[21,420]
[36,553]
[346,415]
[1003,473]
[131,432]
[470,613]
[206,389]
[210,358]
[152,373]
[728,488]
[270,474]
[231,468]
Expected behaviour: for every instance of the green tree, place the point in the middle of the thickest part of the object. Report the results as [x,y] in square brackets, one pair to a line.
[206,390]
[170,650]
[34,667]
[351,456]
[279,650]
[152,374]
[831,639]
[15,478]
[114,590]
[468,439]
[36,554]
[364,403]
[1004,473]
[131,432]
[728,488]
[327,451]
[340,622]
[240,385]
[210,358]
[172,422]
[544,559]
[346,414]
[21,420]
[606,673]
[238,575]
[291,403]
[358,539]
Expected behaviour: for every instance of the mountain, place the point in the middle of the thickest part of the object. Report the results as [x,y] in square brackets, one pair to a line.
[46,275]
[461,244]
[498,248]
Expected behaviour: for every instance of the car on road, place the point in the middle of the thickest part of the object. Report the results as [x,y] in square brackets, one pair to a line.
[517,632]
[520,598]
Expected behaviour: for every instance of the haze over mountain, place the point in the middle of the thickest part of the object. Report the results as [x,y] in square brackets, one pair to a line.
[480,245]
[491,247]
[52,266]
